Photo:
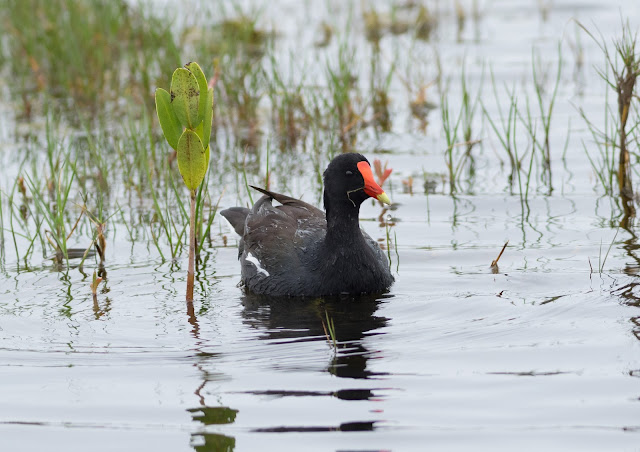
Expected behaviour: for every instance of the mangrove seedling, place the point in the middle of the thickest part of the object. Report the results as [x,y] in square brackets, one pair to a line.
[185,114]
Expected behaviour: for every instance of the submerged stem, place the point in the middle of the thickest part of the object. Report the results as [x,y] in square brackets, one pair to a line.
[192,248]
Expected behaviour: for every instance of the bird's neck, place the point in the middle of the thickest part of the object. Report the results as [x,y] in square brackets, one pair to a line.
[343,225]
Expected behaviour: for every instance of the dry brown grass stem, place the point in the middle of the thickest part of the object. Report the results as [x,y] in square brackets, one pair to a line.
[495,262]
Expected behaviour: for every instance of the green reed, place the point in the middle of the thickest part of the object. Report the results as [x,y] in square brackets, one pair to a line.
[87,53]
[458,133]
[330,331]
[290,116]
[621,71]
[545,111]
[53,207]
[342,88]
[504,126]
[379,84]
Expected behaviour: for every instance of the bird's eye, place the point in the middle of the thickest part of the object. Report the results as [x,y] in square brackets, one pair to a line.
[349,173]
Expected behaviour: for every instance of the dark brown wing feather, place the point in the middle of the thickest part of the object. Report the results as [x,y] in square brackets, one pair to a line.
[276,243]
[288,201]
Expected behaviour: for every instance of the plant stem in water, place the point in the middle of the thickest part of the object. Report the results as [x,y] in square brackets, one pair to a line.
[192,248]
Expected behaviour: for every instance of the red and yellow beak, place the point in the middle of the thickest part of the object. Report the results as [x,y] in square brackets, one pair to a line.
[371,188]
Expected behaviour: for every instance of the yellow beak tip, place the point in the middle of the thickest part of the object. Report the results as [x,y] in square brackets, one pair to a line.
[382,197]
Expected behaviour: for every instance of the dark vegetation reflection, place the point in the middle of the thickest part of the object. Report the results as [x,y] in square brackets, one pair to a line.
[353,320]
[629,293]
[204,415]
[286,320]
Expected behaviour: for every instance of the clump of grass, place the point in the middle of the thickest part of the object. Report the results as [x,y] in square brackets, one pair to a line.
[379,87]
[373,25]
[418,20]
[624,63]
[162,222]
[327,33]
[459,134]
[240,90]
[545,109]
[2,252]
[504,126]
[461,18]
[425,23]
[239,46]
[290,118]
[237,34]
[84,51]
[54,211]
[342,86]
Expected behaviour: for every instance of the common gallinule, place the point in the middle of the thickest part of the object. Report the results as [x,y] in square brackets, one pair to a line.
[295,249]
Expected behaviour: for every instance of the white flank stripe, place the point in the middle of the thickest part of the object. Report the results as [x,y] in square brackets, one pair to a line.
[251,258]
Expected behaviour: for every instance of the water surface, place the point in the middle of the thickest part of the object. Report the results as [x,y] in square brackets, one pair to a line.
[541,353]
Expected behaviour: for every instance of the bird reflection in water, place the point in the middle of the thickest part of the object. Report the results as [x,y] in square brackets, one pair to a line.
[287,319]
[353,318]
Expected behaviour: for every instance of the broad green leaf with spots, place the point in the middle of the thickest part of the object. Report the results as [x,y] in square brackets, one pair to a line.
[192,161]
[171,127]
[185,97]
[195,69]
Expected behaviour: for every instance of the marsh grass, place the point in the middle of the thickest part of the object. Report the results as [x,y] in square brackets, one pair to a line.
[623,60]
[206,211]
[289,113]
[603,166]
[240,90]
[412,17]
[342,87]
[2,240]
[504,126]
[163,224]
[54,209]
[458,132]
[20,219]
[379,84]
[266,103]
[535,116]
[85,57]
[602,260]
[545,104]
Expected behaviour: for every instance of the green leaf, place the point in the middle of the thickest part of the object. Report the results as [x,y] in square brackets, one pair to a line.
[208,117]
[192,161]
[204,128]
[202,88]
[171,127]
[185,96]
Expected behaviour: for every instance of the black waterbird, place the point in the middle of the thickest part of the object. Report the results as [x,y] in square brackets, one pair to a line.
[297,250]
